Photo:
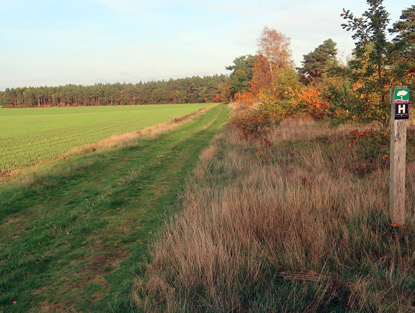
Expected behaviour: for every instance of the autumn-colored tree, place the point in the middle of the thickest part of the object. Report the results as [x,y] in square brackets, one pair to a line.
[274,73]
[371,64]
[262,77]
[275,46]
[274,56]
[377,64]
[285,79]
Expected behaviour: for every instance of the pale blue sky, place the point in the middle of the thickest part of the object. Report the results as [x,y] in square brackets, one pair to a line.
[57,42]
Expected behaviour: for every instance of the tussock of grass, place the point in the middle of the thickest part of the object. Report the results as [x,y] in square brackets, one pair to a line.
[300,234]
[208,153]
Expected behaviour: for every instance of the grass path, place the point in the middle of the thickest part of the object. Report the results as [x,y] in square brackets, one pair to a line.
[76,237]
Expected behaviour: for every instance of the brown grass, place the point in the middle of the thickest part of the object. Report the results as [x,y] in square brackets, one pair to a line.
[208,153]
[56,308]
[301,234]
[295,129]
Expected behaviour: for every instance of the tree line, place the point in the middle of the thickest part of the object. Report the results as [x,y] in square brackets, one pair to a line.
[185,90]
[323,87]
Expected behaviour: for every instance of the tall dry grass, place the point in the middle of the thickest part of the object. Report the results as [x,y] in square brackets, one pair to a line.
[300,234]
[303,129]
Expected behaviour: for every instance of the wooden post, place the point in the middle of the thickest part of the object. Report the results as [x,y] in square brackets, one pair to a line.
[398,154]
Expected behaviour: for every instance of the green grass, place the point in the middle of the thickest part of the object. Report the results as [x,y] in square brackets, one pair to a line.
[78,231]
[29,136]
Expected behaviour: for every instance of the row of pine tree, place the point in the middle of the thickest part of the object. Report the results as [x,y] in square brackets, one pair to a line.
[186,90]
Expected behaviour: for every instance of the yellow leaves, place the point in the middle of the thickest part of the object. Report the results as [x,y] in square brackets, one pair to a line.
[245,98]
[356,86]
[310,101]
[275,47]
[262,76]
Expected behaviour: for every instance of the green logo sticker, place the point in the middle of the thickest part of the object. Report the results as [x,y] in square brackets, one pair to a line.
[402,94]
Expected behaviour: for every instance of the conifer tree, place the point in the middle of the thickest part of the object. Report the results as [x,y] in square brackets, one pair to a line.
[318,63]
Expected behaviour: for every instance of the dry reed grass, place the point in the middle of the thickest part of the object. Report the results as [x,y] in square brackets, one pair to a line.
[303,129]
[301,234]
[208,153]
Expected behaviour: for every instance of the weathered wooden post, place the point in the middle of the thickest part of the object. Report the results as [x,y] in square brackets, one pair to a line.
[400,113]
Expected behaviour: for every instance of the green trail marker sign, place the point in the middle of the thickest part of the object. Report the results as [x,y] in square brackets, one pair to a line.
[399,97]
[401,101]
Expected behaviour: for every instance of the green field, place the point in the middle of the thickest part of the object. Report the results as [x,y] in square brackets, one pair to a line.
[78,228]
[29,136]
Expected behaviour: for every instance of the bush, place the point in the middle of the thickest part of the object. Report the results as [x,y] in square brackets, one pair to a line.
[308,101]
[245,98]
[370,149]
[254,125]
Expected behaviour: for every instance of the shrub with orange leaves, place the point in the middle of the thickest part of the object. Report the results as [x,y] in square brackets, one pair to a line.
[246,98]
[270,104]
[308,101]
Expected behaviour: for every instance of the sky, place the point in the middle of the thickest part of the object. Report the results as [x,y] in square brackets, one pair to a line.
[59,42]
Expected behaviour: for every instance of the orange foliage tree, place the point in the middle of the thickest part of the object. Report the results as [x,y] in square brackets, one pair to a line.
[276,85]
[274,56]
[273,70]
[262,75]
[275,47]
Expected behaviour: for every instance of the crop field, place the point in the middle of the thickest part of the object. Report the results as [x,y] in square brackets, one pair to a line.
[29,136]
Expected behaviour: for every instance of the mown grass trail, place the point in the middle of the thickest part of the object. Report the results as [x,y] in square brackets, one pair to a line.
[74,238]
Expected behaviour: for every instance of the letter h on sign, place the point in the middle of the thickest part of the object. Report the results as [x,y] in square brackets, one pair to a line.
[401,108]
[401,111]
